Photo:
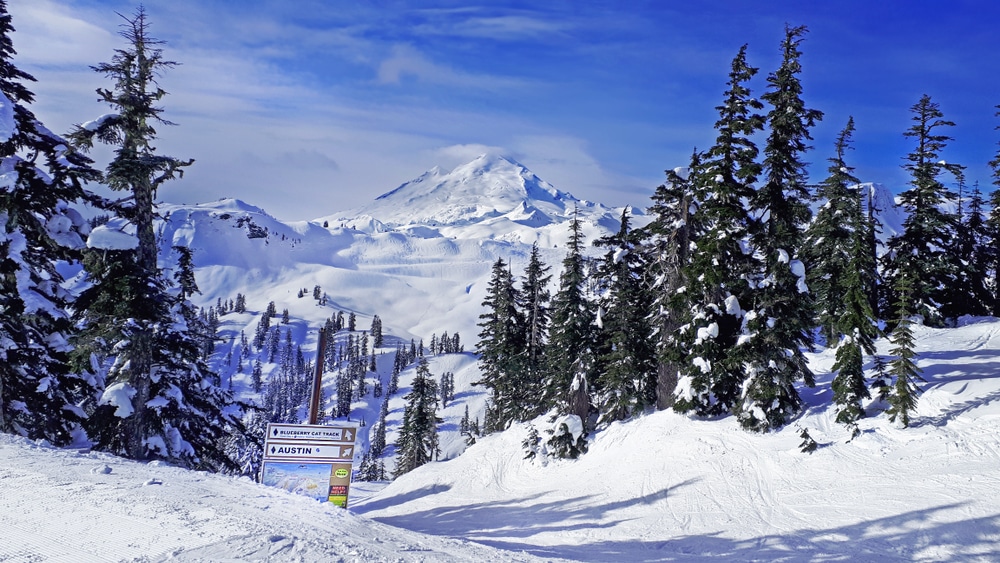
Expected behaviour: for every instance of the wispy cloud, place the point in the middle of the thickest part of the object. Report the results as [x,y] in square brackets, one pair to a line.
[405,61]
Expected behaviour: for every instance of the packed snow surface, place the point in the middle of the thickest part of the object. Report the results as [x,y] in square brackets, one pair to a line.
[659,488]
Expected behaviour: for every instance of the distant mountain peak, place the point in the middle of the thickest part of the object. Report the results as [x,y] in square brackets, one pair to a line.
[491,185]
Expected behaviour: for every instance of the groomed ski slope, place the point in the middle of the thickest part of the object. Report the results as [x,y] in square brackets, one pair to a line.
[660,488]
[668,488]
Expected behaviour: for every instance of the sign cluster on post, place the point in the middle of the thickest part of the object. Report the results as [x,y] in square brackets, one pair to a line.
[310,459]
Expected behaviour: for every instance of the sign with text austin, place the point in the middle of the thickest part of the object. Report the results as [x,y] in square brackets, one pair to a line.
[296,454]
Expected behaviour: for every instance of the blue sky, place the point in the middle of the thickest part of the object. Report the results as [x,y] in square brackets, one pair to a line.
[309,107]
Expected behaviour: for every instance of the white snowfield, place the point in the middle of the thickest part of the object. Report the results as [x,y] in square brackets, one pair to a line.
[660,488]
[67,506]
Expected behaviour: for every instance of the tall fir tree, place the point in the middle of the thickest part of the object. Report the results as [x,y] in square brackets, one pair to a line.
[717,277]
[571,336]
[991,246]
[42,181]
[923,251]
[843,276]
[501,350]
[626,383]
[534,307]
[829,238]
[780,322]
[902,396]
[157,398]
[417,443]
[666,245]
[972,247]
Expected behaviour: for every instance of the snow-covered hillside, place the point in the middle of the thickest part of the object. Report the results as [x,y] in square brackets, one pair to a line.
[660,488]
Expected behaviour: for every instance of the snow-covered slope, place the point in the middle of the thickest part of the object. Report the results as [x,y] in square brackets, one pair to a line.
[668,488]
[660,488]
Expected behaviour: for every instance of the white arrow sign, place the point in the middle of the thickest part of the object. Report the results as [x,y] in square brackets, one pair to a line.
[312,452]
[311,433]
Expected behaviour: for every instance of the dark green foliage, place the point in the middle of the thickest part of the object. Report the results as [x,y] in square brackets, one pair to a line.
[626,381]
[563,442]
[717,276]
[531,443]
[842,275]
[781,323]
[923,251]
[571,336]
[141,339]
[808,445]
[534,307]
[991,244]
[501,349]
[377,339]
[666,244]
[417,443]
[903,394]
[43,179]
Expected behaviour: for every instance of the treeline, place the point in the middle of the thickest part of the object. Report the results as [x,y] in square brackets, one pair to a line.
[710,307]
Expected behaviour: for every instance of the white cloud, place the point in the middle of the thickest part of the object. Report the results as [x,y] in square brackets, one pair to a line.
[51,33]
[406,61]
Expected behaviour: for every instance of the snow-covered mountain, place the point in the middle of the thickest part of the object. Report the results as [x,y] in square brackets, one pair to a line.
[492,196]
[484,189]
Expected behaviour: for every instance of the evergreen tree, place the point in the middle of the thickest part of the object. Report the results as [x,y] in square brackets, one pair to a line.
[972,248]
[534,304]
[667,241]
[991,248]
[378,439]
[571,336]
[501,349]
[903,395]
[626,383]
[717,277]
[158,398]
[377,339]
[779,325]
[845,266]
[42,181]
[922,251]
[417,443]
[829,239]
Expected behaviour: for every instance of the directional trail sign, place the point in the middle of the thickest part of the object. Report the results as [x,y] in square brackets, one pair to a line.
[299,456]
[296,451]
[311,433]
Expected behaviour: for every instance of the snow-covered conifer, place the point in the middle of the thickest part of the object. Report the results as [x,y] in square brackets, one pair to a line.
[417,443]
[625,382]
[721,267]
[922,251]
[41,180]
[781,320]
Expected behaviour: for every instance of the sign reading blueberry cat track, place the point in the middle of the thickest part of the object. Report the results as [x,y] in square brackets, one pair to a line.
[310,459]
